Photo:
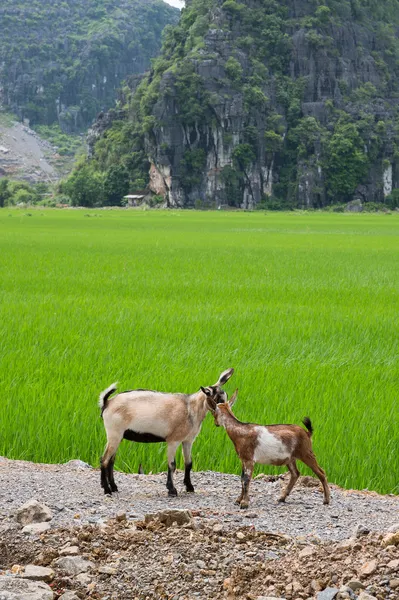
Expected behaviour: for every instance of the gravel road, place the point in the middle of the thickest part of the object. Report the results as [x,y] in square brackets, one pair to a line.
[72,491]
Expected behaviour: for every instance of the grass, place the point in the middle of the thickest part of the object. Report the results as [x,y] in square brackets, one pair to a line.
[304,306]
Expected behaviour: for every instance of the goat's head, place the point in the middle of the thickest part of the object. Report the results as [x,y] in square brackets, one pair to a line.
[221,408]
[214,393]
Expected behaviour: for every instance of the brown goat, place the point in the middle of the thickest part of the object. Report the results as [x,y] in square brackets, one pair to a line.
[268,445]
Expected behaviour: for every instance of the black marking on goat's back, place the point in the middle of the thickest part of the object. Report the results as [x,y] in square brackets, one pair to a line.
[144,438]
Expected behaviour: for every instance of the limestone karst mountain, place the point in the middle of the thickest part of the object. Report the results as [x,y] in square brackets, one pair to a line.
[61,61]
[277,103]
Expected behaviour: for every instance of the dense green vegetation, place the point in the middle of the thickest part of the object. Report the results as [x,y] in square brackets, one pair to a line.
[347,131]
[304,306]
[13,193]
[62,60]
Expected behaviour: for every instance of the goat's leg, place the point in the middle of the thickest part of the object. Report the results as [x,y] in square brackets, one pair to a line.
[293,469]
[246,475]
[172,447]
[310,460]
[107,459]
[111,479]
[187,466]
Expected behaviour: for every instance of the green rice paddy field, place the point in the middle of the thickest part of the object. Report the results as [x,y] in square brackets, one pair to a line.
[305,307]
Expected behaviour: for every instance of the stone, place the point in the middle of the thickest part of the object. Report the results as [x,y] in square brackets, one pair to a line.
[37,573]
[346,589]
[393,564]
[36,528]
[366,596]
[240,535]
[360,530]
[168,517]
[218,528]
[393,528]
[328,594]
[106,570]
[369,568]
[33,512]
[392,539]
[354,206]
[78,464]
[16,588]
[83,578]
[73,565]
[121,516]
[307,551]
[69,596]
[70,551]
[393,584]
[355,584]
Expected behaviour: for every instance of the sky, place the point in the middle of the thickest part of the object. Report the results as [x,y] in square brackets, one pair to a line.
[177,3]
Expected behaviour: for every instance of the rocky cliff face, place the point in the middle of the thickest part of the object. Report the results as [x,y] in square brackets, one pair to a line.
[64,61]
[275,104]
[285,104]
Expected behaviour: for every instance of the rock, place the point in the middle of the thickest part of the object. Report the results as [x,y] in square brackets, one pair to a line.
[70,551]
[393,528]
[240,535]
[83,578]
[73,565]
[360,530]
[78,464]
[106,570]
[121,516]
[354,206]
[347,590]
[327,594]
[393,564]
[366,596]
[69,596]
[33,512]
[37,573]
[307,551]
[355,584]
[13,588]
[217,528]
[201,564]
[393,584]
[36,528]
[368,568]
[168,517]
[392,539]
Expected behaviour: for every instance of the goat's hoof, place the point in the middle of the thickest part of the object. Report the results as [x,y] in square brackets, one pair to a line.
[326,501]
[172,493]
[282,499]
[189,489]
[244,504]
[108,492]
[114,488]
[238,501]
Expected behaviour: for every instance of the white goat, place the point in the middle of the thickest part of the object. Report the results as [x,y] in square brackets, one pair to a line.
[148,416]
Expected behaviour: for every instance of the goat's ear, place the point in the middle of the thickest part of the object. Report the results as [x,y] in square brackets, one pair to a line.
[211,404]
[206,391]
[233,398]
[225,376]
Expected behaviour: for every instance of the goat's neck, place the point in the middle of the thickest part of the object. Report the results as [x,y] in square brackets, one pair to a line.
[199,406]
[229,421]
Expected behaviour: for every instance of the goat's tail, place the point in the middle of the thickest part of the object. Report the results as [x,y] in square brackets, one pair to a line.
[102,403]
[308,424]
